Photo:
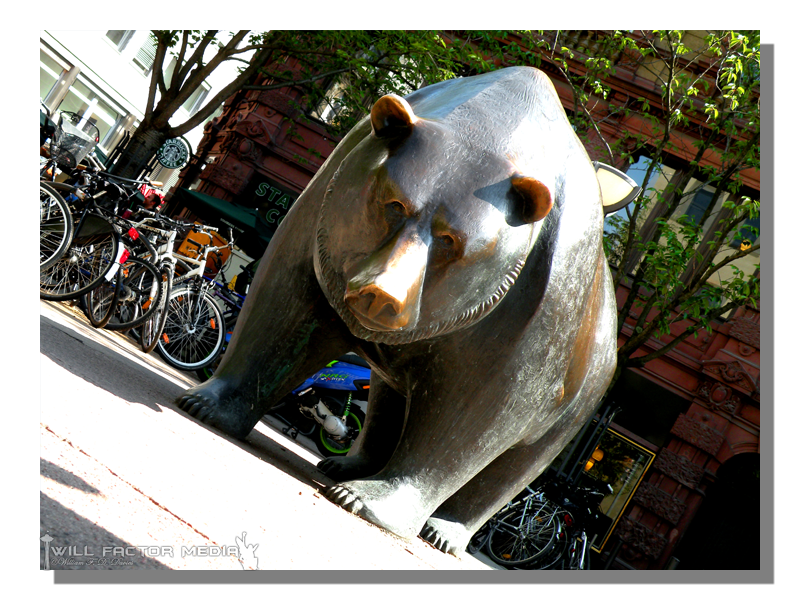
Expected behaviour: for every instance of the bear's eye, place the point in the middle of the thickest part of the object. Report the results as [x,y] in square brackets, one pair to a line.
[448,241]
[397,207]
[448,247]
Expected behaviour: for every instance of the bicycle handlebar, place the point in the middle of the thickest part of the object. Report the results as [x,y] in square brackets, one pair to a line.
[165,219]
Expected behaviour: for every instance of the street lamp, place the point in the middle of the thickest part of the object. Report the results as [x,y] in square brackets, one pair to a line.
[617,188]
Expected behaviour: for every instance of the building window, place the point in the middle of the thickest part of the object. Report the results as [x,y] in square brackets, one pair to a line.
[50,71]
[195,101]
[746,233]
[146,55]
[699,205]
[638,170]
[86,100]
[120,38]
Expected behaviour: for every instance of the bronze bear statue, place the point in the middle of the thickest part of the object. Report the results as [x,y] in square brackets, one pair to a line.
[453,239]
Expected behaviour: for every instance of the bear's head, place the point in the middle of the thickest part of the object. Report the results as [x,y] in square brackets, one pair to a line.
[428,221]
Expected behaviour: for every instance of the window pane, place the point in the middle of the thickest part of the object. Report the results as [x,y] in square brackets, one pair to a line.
[638,170]
[699,205]
[746,233]
[195,101]
[83,99]
[145,56]
[120,37]
[49,73]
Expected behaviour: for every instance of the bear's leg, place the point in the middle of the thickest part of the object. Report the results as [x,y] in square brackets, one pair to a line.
[287,330]
[434,458]
[285,333]
[386,412]
[454,523]
[271,357]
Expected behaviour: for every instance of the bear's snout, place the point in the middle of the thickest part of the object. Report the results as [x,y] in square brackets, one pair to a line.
[378,306]
[384,292]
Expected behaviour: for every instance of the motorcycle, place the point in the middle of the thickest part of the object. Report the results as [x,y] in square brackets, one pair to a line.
[329,407]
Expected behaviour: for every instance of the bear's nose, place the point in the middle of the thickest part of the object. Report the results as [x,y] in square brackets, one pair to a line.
[384,290]
[377,305]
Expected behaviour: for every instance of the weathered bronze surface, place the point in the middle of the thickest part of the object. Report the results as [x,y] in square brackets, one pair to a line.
[454,240]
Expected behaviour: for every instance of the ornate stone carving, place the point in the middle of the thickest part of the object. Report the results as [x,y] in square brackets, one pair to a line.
[697,434]
[231,175]
[747,331]
[280,102]
[256,129]
[640,538]
[718,396]
[732,372]
[680,469]
[659,502]
[249,151]
[745,350]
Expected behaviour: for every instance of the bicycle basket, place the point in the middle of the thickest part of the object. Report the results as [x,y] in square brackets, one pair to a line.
[73,139]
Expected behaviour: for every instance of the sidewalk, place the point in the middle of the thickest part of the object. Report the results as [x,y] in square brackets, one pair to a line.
[122,468]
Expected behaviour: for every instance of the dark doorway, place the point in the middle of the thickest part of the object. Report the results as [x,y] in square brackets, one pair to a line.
[725,534]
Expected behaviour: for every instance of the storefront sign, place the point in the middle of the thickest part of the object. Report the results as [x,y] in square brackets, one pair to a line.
[174,154]
[271,201]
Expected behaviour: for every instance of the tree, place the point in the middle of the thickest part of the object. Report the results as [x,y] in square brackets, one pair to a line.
[682,271]
[345,69]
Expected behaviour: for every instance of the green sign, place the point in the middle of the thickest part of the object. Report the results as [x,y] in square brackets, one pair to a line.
[273,202]
[174,154]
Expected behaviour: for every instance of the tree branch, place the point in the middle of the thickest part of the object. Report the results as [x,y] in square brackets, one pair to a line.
[179,75]
[181,54]
[641,360]
[291,82]
[200,116]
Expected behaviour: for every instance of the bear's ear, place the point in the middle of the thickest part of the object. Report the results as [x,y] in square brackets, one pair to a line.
[537,200]
[392,117]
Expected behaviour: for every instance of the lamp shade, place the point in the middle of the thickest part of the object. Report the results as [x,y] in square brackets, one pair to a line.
[617,188]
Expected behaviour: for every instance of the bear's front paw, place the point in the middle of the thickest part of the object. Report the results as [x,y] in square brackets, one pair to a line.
[447,536]
[392,505]
[345,498]
[347,468]
[214,404]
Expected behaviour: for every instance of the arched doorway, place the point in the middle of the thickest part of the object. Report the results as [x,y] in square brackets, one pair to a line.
[725,534]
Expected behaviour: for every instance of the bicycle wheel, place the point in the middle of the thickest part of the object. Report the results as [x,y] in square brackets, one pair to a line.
[140,292]
[331,446]
[102,301]
[85,263]
[194,331]
[523,534]
[478,540]
[553,559]
[55,226]
[152,327]
[207,372]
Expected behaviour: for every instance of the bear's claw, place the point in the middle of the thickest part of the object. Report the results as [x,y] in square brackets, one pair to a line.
[447,536]
[344,498]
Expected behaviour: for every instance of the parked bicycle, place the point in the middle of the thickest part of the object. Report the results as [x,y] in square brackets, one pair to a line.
[581,518]
[195,330]
[520,534]
[551,527]
[231,302]
[102,241]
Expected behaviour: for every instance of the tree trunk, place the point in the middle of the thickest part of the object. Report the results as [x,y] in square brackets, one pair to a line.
[139,151]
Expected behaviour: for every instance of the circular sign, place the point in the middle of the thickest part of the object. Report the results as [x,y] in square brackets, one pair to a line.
[174,154]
